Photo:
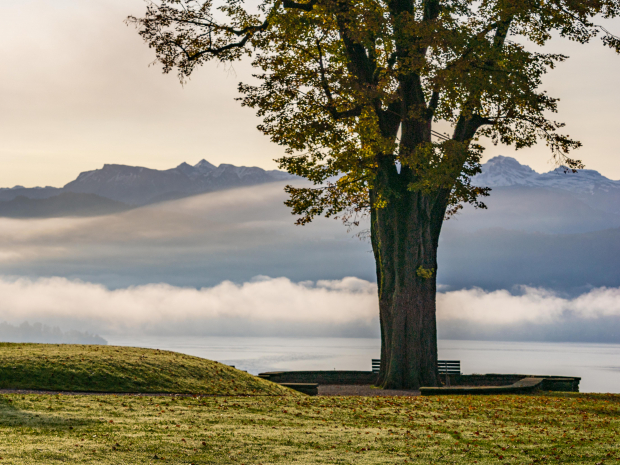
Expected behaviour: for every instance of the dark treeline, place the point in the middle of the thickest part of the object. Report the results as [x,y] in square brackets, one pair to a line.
[40,333]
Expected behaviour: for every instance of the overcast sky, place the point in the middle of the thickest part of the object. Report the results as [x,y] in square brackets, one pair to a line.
[76,92]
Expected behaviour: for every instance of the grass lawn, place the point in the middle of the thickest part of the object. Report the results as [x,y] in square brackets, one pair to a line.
[68,367]
[275,425]
[550,428]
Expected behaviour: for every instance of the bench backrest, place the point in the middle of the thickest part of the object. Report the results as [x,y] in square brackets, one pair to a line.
[376,365]
[451,367]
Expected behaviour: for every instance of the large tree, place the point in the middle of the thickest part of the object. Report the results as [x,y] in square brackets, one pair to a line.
[352,89]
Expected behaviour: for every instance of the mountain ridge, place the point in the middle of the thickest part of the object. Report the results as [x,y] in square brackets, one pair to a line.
[63,204]
[515,187]
[136,186]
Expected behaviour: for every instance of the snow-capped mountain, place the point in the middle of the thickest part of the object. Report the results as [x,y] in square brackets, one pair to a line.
[588,186]
[557,202]
[503,171]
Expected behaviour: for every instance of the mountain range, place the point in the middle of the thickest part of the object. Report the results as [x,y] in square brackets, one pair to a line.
[115,188]
[560,201]
[553,234]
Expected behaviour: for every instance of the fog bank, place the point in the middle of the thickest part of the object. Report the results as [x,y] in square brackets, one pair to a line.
[280,307]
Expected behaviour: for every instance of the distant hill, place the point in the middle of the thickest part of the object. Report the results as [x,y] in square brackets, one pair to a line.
[10,193]
[64,204]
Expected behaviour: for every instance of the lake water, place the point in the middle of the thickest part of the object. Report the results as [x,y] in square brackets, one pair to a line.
[597,364]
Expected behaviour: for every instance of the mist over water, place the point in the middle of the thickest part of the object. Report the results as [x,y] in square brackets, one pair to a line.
[199,241]
[39,333]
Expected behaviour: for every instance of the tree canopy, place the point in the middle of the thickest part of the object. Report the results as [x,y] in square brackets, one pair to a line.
[343,83]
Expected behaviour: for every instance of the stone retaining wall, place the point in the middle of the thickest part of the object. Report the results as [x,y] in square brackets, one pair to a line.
[335,377]
[550,383]
[321,377]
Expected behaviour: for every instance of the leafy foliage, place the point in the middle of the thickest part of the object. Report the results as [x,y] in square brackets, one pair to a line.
[351,87]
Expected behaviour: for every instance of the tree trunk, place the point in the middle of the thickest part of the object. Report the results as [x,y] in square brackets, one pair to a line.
[405,234]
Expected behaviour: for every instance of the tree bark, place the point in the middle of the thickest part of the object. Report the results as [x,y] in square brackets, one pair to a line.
[405,235]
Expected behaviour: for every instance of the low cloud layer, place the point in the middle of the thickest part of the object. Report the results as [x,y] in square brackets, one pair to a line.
[264,306]
[530,314]
[530,305]
[277,307]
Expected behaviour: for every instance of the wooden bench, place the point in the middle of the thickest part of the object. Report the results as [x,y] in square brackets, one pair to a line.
[445,367]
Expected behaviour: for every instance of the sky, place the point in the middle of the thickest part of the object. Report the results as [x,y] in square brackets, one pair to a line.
[77,91]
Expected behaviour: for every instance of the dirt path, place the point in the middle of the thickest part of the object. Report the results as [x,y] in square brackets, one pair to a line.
[141,394]
[361,390]
[324,390]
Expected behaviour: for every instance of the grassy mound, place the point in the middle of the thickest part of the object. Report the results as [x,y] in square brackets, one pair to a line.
[67,367]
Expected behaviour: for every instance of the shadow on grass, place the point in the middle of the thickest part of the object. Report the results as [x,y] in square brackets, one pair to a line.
[50,379]
[13,416]
[600,409]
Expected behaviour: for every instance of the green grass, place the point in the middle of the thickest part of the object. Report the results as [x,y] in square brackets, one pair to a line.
[275,425]
[122,369]
[550,428]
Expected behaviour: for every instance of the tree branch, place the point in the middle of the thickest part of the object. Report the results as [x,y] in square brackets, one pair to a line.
[214,51]
[432,106]
[299,6]
[357,111]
